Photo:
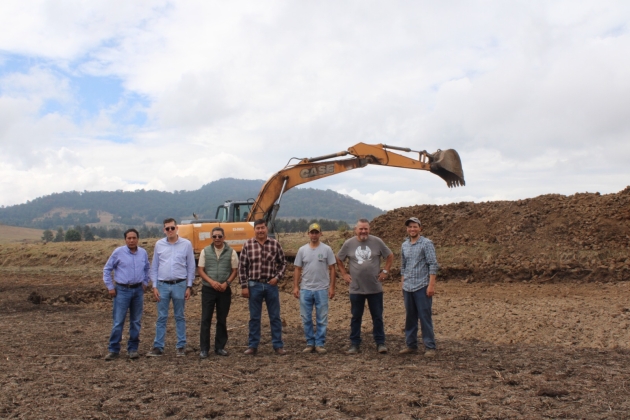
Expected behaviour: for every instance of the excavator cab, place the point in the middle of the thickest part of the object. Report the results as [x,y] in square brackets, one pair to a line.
[234,211]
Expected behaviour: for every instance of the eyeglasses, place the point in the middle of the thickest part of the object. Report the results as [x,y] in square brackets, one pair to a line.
[217,236]
[167,228]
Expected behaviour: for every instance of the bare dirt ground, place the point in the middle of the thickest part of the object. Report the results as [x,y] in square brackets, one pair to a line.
[505,351]
[531,316]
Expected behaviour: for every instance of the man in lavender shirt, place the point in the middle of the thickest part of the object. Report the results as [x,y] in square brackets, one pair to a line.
[130,266]
[172,274]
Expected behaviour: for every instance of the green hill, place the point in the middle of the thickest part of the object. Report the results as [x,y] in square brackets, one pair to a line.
[141,206]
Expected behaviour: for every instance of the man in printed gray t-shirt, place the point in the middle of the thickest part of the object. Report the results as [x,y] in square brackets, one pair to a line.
[365,252]
[315,265]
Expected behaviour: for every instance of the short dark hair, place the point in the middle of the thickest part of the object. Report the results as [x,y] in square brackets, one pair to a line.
[169,220]
[129,231]
[259,222]
[363,221]
[218,228]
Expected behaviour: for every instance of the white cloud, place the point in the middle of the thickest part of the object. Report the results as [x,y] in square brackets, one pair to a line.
[532,94]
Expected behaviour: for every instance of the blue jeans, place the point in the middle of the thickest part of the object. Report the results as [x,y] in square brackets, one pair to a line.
[168,292]
[131,300]
[257,293]
[357,305]
[318,299]
[418,306]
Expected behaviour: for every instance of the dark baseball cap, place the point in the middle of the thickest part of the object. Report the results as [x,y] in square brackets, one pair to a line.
[414,220]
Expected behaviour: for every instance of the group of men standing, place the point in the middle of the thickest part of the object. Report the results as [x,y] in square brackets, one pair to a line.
[260,267]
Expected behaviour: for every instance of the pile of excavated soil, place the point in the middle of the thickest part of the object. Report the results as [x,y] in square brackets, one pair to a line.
[582,237]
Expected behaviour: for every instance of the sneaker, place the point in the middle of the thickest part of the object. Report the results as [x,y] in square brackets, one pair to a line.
[352,349]
[112,356]
[408,350]
[203,354]
[133,355]
[430,353]
[155,352]
[181,352]
[221,352]
[320,350]
[381,348]
[308,349]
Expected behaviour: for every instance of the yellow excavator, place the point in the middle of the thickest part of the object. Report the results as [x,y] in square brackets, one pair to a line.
[237,217]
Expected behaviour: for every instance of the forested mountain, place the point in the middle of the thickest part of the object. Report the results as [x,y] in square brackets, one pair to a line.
[138,207]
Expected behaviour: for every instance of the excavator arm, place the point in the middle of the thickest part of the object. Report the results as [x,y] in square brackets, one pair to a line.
[444,163]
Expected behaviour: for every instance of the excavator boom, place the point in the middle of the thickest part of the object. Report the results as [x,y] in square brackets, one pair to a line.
[444,163]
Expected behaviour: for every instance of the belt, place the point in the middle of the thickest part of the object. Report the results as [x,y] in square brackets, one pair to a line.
[130,286]
[261,280]
[172,281]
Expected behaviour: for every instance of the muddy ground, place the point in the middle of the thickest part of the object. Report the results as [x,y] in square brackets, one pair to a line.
[505,351]
[531,316]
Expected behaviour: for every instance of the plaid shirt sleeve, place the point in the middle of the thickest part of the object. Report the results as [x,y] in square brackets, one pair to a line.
[243,265]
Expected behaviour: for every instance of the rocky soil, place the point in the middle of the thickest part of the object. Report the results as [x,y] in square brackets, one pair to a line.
[583,237]
[532,317]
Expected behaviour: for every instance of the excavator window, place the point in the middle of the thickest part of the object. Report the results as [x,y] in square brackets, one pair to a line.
[222,214]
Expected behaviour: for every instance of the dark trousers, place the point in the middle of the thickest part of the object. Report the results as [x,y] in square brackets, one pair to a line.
[418,307]
[357,306]
[210,299]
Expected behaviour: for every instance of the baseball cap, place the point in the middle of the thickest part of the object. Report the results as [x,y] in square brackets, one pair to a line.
[314,226]
[414,220]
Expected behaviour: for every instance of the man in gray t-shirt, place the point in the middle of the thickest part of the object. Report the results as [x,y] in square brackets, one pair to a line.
[365,252]
[315,264]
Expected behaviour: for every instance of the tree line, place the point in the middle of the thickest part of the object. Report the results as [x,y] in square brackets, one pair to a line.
[301,225]
[91,233]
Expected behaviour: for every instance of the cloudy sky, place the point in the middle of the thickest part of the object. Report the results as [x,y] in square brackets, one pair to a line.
[170,95]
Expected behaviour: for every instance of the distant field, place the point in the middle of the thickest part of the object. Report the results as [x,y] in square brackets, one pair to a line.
[19,234]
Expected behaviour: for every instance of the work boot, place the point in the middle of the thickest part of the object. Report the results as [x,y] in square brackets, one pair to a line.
[408,350]
[133,355]
[308,349]
[155,352]
[381,348]
[352,349]
[203,354]
[430,353]
[112,356]
[320,350]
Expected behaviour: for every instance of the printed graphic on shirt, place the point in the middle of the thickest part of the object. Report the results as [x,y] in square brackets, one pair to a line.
[363,254]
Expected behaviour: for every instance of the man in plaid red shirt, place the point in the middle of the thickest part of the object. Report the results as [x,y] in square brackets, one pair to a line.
[261,266]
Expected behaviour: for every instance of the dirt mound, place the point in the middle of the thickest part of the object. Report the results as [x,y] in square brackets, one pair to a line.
[553,237]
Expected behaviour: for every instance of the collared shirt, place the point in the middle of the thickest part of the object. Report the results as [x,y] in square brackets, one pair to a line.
[128,267]
[261,261]
[418,262]
[173,261]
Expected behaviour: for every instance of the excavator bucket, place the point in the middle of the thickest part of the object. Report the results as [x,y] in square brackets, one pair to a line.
[447,165]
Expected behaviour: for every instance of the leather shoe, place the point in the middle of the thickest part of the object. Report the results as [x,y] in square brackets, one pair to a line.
[221,352]
[280,351]
[251,351]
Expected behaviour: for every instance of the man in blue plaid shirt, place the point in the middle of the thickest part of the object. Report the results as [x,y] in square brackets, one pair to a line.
[418,275]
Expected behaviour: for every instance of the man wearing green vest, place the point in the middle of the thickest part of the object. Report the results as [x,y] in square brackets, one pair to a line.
[217,267]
